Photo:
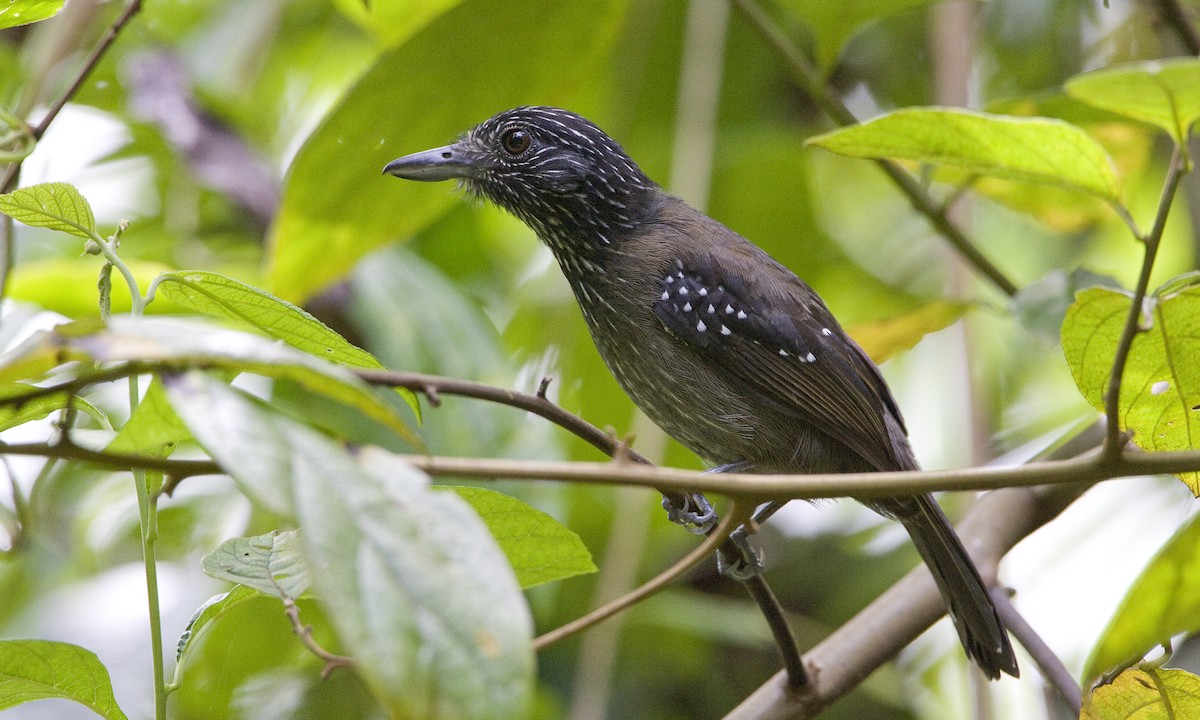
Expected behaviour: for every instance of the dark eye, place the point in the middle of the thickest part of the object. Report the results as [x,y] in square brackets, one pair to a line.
[515,141]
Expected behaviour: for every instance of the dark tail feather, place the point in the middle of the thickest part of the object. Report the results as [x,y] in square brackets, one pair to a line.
[979,627]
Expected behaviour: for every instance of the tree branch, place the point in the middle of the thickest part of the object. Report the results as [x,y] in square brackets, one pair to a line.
[881,630]
[1176,17]
[1114,441]
[9,180]
[1048,663]
[811,81]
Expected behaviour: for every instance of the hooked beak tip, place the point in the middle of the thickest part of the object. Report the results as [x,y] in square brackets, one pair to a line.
[444,163]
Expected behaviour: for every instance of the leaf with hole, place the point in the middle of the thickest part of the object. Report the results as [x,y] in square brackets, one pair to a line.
[1160,391]
[270,563]
[1037,150]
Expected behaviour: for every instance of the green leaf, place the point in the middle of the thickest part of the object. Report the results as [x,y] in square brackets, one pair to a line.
[414,584]
[884,339]
[153,429]
[1036,150]
[337,207]
[1145,693]
[223,297]
[57,206]
[205,615]
[1165,93]
[42,669]
[538,547]
[67,285]
[20,412]
[834,24]
[168,344]
[1160,392]
[22,12]
[1163,602]
[269,563]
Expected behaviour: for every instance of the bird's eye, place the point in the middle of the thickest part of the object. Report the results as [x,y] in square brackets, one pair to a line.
[515,141]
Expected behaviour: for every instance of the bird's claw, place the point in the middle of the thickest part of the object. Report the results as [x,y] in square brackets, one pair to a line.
[692,511]
[747,563]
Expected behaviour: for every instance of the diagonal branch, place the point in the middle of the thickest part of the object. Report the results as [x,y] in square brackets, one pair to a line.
[881,630]
[811,81]
[1114,441]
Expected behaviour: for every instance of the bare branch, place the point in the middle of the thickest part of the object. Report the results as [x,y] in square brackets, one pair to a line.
[1052,668]
[1114,441]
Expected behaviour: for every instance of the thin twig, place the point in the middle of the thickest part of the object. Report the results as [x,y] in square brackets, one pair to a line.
[1114,440]
[1176,17]
[10,174]
[811,81]
[1051,666]
[735,517]
[332,661]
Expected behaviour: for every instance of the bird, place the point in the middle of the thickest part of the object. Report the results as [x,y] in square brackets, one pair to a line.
[722,346]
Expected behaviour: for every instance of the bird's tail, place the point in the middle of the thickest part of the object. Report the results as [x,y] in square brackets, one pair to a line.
[979,627]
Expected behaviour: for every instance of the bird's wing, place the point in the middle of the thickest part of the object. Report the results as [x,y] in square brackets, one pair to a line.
[769,330]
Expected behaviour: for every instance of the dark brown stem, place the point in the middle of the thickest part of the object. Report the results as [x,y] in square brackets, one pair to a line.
[1114,440]
[10,175]
[1174,14]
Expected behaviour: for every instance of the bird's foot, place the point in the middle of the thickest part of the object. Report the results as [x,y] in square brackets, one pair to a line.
[691,510]
[737,559]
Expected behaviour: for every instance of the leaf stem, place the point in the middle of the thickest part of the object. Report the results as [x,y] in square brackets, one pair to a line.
[1114,440]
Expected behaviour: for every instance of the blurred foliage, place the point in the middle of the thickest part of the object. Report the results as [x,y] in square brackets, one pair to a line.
[313,97]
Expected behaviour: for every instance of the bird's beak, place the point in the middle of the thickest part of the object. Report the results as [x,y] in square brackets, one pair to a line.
[444,163]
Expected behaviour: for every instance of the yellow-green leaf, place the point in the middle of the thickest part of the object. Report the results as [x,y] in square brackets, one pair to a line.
[1160,392]
[22,12]
[886,338]
[56,205]
[1037,150]
[1164,93]
[1163,602]
[1145,693]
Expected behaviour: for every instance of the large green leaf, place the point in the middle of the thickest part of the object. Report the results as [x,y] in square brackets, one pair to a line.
[1145,693]
[470,63]
[415,586]
[269,563]
[56,205]
[43,669]
[166,344]
[883,339]
[539,548]
[1160,392]
[1028,149]
[393,20]
[205,616]
[23,12]
[1165,93]
[1163,602]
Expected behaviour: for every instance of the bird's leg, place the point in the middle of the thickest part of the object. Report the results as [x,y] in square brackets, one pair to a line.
[737,559]
[691,510]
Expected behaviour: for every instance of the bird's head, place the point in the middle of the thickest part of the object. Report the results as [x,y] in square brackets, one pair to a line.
[553,169]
